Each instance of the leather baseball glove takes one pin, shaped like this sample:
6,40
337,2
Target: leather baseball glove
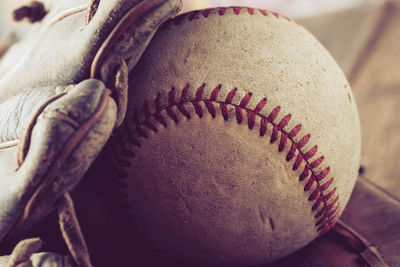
63,89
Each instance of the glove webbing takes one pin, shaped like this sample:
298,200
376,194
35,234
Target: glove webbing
71,231
361,245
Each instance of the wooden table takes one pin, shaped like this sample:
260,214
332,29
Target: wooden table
366,44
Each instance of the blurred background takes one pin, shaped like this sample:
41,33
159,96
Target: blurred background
291,8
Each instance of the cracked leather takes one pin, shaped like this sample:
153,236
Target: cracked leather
50,134
54,120
58,52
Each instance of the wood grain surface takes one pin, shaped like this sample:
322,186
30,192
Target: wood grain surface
376,84
366,44
344,33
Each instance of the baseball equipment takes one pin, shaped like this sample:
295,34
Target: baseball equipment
242,147
63,90
366,235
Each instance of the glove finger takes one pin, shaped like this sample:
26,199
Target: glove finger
57,150
25,255
131,36
44,259
56,58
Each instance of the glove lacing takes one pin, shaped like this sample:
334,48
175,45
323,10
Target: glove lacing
20,257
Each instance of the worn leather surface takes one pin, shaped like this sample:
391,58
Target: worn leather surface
51,112
381,214
215,189
51,134
46,51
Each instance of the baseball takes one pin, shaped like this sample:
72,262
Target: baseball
242,140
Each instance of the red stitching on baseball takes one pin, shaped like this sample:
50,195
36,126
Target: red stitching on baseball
330,222
236,10
294,131
274,113
263,126
196,102
323,174
207,12
282,143
149,125
325,216
285,120
245,100
310,183
147,111
326,185
224,110
314,195
264,12
222,11
138,128
251,119
192,16
310,153
274,135
299,159
305,173
260,106
303,141
290,155
328,196
316,162
211,108
331,214
230,96
317,203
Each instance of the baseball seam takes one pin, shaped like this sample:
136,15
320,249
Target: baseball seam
237,10
323,194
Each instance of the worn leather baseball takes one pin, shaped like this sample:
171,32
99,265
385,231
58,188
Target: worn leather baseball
242,138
